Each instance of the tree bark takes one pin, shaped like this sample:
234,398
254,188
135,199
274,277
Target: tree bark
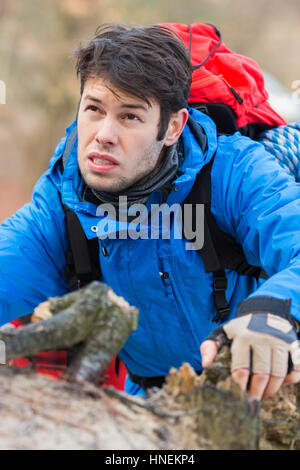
190,412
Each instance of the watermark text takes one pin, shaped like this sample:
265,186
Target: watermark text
2,92
2,352
159,221
296,93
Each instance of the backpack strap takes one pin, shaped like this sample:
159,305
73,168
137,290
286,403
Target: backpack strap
225,120
220,251
83,264
218,33
223,116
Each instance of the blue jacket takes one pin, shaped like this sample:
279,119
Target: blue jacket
253,199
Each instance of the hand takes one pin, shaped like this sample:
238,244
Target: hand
261,346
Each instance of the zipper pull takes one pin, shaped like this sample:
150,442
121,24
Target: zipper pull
235,93
103,248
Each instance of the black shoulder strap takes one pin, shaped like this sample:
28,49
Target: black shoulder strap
223,116
83,264
225,120
83,254
220,250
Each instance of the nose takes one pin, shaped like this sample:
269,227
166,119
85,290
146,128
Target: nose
107,132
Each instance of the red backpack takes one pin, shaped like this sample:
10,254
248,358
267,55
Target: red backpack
227,86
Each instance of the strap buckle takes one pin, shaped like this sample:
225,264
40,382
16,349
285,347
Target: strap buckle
220,283
221,315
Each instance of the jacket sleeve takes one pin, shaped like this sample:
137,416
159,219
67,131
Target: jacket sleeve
258,204
33,247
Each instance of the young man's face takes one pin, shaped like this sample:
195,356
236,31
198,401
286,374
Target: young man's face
117,133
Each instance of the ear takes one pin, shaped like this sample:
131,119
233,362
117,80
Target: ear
176,125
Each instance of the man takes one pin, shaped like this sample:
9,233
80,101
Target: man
134,141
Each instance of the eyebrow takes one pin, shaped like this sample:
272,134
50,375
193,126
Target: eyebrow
124,105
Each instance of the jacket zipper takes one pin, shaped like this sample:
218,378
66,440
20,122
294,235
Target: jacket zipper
166,280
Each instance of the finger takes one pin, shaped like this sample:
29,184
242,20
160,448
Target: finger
295,356
279,362
292,378
261,368
258,384
208,352
240,354
261,359
41,312
279,369
273,386
241,377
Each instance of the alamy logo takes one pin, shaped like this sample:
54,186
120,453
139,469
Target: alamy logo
137,221
296,93
2,352
2,92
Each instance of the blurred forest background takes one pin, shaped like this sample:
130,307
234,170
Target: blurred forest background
36,40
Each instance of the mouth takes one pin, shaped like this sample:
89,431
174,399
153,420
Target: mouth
101,162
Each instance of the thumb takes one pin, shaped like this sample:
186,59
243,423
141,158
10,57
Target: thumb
208,350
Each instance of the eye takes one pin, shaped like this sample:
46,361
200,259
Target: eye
93,108
131,117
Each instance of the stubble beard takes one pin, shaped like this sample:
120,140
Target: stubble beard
144,167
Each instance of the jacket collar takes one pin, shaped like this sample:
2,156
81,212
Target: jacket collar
69,182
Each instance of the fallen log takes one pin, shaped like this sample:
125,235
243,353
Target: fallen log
38,413
190,412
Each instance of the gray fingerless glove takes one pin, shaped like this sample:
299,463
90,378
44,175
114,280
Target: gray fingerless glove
264,342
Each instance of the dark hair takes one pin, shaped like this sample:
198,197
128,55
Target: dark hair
148,62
